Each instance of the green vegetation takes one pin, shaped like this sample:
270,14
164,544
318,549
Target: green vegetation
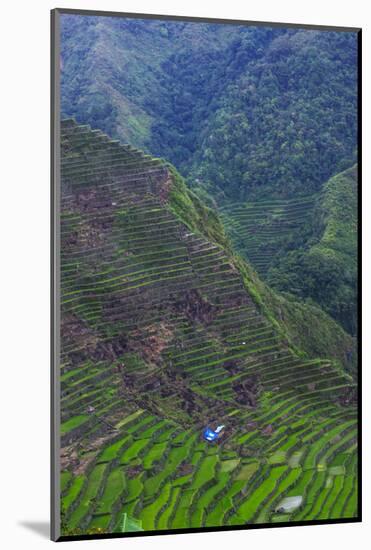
73,423
268,111
267,118
304,247
261,231
325,268
165,330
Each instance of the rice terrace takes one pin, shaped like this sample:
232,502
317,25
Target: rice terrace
208,222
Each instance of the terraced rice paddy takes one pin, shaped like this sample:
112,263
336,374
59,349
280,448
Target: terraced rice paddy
260,231
161,338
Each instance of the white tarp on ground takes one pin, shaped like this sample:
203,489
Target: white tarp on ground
289,504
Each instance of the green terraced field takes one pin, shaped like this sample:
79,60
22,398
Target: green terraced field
261,231
160,338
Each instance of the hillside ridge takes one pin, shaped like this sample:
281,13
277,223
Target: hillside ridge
161,337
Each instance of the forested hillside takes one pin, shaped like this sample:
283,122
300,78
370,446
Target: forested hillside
325,268
244,110
305,246
258,119
114,71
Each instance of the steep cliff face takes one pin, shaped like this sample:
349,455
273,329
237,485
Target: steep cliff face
163,332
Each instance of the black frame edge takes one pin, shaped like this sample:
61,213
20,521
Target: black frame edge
359,272
199,19
195,530
54,277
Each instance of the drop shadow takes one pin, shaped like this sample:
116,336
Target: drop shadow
41,528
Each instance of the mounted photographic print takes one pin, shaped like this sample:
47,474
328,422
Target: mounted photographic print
205,315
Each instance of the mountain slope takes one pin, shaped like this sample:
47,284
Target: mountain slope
164,332
287,123
258,119
325,268
112,69
243,110
305,325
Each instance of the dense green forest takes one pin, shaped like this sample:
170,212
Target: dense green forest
305,246
241,109
253,116
325,268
